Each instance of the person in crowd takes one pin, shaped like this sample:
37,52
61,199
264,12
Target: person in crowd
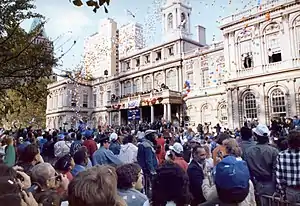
47,180
177,156
62,147
209,162
48,148
196,174
89,164
170,187
130,184
95,186
64,165
104,156
81,160
288,169
76,144
247,140
160,150
90,143
261,160
147,158
10,153
220,150
115,145
244,194
128,151
30,157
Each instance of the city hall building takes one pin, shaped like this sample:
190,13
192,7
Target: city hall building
253,74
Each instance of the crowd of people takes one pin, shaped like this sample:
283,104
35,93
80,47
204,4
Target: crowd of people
157,165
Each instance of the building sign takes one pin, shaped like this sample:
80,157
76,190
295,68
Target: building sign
133,104
133,114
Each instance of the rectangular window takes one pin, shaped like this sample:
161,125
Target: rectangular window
171,51
101,100
137,62
85,101
190,77
147,59
73,99
158,55
205,77
95,100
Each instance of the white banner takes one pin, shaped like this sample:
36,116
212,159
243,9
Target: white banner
133,104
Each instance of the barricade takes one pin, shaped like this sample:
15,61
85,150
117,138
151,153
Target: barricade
275,201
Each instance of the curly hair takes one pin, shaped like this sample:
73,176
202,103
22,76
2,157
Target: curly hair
95,186
170,184
127,174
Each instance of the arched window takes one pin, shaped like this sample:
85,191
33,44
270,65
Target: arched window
158,80
183,20
137,85
147,84
250,107
100,120
101,99
206,113
170,21
272,43
60,122
171,80
296,34
115,119
127,88
278,105
222,113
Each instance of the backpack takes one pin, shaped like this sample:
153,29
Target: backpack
232,180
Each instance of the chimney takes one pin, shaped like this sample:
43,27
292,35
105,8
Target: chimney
201,36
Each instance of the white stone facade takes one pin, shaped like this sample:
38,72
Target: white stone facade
253,73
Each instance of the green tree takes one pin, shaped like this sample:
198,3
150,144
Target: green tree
24,65
96,4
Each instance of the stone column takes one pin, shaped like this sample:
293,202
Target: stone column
169,112
165,111
152,113
109,118
230,114
120,120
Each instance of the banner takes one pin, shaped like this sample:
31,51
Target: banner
133,114
133,104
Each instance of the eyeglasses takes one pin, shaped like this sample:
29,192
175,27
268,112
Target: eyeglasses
57,177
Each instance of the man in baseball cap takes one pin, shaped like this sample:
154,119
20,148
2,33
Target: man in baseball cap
177,155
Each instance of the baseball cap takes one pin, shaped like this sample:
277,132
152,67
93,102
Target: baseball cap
113,136
177,148
261,130
149,131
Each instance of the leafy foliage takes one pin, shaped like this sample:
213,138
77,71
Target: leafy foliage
25,62
96,4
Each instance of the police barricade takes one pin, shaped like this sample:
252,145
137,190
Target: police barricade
275,201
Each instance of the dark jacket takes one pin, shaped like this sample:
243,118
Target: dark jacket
146,157
196,176
115,147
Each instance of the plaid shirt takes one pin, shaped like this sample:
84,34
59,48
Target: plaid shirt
287,169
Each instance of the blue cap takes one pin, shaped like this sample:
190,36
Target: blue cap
88,133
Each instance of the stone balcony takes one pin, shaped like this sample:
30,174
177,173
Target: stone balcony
166,95
254,11
269,68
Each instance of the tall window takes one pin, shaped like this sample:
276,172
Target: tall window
127,88
278,105
170,21
272,42
246,54
147,84
250,107
85,101
222,113
158,80
95,100
296,34
171,80
137,85
73,99
205,77
190,77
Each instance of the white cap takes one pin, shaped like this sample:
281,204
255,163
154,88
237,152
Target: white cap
113,136
177,148
261,130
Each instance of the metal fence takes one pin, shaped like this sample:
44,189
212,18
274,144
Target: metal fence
275,201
